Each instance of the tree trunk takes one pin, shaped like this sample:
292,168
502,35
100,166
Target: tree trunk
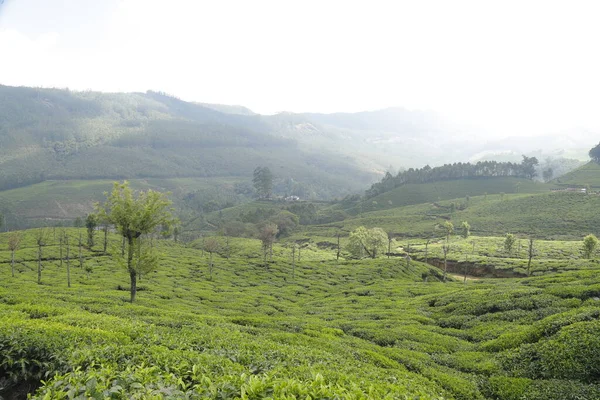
133,277
80,256
389,247
12,263
445,268
294,261
132,271
426,245
105,237
39,281
60,249
68,265
530,257
337,257
210,265
408,256
445,249
466,268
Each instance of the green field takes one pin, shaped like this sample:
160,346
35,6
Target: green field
370,329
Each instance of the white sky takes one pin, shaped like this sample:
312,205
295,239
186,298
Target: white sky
513,66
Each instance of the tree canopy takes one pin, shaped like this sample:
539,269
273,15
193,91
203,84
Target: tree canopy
369,242
590,243
595,153
526,169
263,182
135,214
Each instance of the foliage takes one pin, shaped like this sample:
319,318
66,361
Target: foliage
134,215
267,234
465,229
509,242
367,242
448,229
91,222
263,182
455,171
286,222
590,242
594,153
14,241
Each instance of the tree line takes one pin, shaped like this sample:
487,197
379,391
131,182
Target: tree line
482,169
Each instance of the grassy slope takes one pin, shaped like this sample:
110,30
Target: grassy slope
543,215
358,330
51,201
483,256
588,174
444,190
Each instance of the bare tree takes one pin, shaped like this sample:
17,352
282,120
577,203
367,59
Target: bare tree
294,259
531,254
445,249
337,256
14,242
80,253
41,239
466,270
267,234
68,260
211,245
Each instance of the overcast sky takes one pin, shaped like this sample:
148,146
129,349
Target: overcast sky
513,66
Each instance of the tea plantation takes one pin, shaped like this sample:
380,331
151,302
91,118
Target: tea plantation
315,329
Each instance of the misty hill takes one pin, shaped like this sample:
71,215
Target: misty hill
62,135
227,109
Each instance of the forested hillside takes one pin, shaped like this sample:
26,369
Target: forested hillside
57,134
482,169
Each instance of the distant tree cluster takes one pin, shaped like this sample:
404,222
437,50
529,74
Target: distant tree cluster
263,182
595,153
526,169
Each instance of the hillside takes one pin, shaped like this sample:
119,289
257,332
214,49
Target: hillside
372,329
49,134
418,193
546,215
588,174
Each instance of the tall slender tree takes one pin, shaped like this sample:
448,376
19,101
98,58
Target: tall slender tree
14,242
91,222
41,239
263,182
134,214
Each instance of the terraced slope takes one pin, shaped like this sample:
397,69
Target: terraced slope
372,329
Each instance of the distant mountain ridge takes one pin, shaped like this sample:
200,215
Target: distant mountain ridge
60,134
